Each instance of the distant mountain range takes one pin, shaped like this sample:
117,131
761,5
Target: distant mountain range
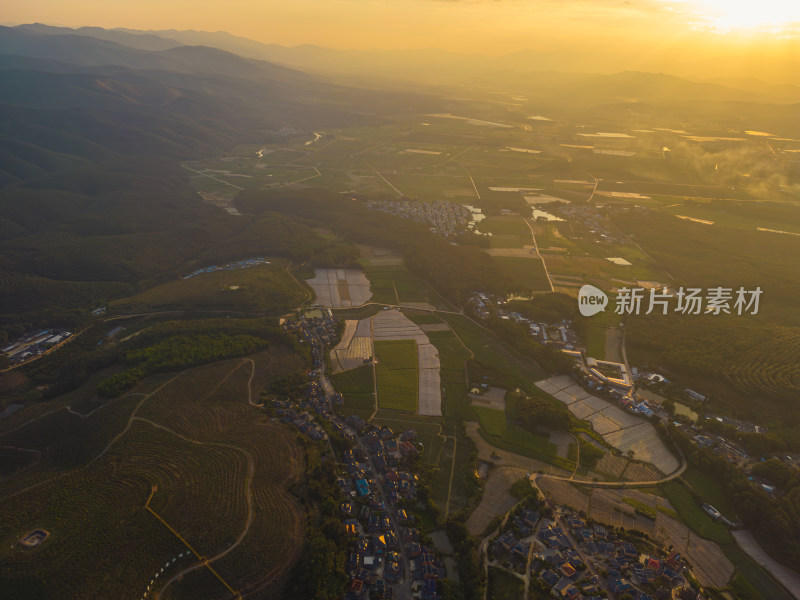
92,198
93,123
755,70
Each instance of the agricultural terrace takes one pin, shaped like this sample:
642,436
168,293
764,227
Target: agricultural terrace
626,432
217,471
397,374
262,288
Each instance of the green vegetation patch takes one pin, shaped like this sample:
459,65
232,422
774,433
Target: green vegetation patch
524,274
262,288
357,388
691,514
452,357
496,430
504,586
397,374
711,493
179,352
506,225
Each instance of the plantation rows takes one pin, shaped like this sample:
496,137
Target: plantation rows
769,368
65,440
202,406
200,488
274,541
12,460
102,543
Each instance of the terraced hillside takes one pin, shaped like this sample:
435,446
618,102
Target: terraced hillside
211,469
626,432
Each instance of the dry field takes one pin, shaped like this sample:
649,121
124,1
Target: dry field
352,350
494,397
496,498
340,288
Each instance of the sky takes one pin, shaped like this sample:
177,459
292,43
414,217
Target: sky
464,26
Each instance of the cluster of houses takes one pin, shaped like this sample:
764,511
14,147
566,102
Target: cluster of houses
314,402
721,445
33,344
560,335
316,329
387,548
558,552
303,421
588,223
444,218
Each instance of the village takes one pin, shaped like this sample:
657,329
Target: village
444,218
558,551
389,556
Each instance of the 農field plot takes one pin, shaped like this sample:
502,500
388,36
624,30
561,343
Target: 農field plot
340,288
626,432
397,374
394,325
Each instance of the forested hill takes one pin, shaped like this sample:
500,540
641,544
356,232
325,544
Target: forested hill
93,201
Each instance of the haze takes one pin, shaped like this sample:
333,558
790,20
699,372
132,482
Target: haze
597,35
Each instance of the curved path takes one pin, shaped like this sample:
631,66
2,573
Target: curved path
251,469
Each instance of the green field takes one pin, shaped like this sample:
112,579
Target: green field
356,386
452,356
262,288
710,492
507,225
395,284
526,274
496,430
596,341
490,350
397,374
693,515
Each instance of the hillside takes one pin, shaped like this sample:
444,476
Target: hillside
94,202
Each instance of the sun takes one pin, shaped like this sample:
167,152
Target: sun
732,15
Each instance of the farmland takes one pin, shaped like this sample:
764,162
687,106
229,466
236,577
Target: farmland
217,473
394,284
527,274
397,374
357,388
496,429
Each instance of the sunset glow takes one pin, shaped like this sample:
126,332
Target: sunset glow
732,15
